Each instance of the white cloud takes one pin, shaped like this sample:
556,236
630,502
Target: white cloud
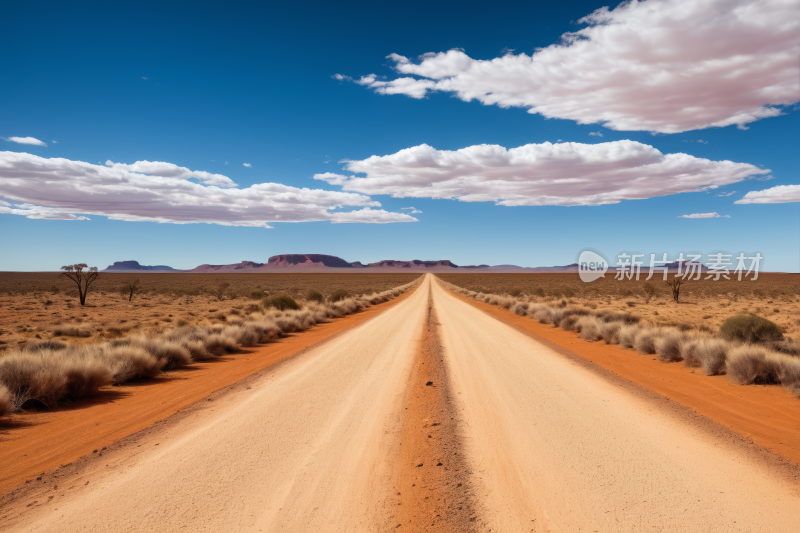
26,140
781,194
595,134
412,210
54,142
725,194
408,86
144,78
665,66
705,215
566,174
62,189
248,165
170,170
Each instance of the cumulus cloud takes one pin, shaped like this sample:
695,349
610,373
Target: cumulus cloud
566,174
248,165
412,210
595,133
61,189
664,66
171,170
26,140
781,194
705,215
54,142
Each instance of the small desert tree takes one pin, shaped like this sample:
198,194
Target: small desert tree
221,290
675,284
83,276
649,291
130,289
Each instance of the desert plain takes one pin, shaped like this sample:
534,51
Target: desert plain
426,410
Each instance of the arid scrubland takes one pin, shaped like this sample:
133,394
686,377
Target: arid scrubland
704,304
67,361
745,346
40,306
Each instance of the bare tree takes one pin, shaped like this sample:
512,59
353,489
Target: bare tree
130,289
649,291
82,278
675,285
221,290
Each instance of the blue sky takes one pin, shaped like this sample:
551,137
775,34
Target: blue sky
240,83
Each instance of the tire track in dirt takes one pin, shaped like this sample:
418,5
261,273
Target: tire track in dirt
433,486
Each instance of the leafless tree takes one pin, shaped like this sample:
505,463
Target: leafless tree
130,289
83,276
675,285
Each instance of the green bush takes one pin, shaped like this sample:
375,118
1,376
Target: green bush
258,295
314,296
282,302
750,328
338,294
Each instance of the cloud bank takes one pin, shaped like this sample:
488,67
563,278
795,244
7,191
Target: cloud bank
565,174
61,189
781,194
705,215
27,140
664,66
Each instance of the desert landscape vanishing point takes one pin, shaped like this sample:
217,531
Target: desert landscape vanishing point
438,267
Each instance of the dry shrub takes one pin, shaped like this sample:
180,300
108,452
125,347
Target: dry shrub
710,354
627,335
53,345
282,302
338,294
313,295
645,342
544,315
71,331
752,364
6,406
750,328
520,308
789,374
668,346
219,344
589,328
47,377
129,362
610,331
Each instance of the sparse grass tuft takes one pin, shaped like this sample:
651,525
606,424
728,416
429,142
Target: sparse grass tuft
668,346
71,331
6,406
752,364
645,342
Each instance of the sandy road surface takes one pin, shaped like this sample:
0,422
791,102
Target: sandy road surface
557,448
340,438
302,450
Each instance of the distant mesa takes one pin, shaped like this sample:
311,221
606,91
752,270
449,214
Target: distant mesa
135,266
308,260
390,263
327,263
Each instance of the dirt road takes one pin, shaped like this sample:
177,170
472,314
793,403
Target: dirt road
342,437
